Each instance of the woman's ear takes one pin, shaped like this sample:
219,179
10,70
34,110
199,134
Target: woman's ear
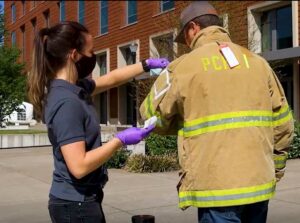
74,55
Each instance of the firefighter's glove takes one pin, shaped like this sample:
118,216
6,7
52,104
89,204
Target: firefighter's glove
153,63
134,135
279,174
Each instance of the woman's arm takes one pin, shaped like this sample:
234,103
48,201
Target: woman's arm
80,163
117,77
122,75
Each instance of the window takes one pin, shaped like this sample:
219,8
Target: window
62,11
102,62
13,38
13,13
166,5
21,116
285,76
162,46
81,12
127,95
33,3
103,17
23,41
131,12
33,23
47,18
276,29
23,7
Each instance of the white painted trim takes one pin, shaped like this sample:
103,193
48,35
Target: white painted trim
107,51
296,81
119,53
295,23
267,5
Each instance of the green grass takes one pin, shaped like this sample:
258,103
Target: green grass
21,131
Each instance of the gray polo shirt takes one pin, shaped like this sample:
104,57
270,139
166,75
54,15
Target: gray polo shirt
71,117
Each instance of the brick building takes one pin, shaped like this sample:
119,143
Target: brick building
127,31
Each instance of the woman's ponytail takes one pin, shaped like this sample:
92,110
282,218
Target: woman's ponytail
39,74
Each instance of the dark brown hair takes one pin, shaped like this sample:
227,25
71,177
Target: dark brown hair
208,20
50,54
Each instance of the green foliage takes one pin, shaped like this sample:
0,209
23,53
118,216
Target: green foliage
12,81
295,147
160,145
148,164
118,160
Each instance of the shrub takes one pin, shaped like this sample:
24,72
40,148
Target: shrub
160,145
156,163
295,147
118,160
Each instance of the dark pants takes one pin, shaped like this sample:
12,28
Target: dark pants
250,213
89,211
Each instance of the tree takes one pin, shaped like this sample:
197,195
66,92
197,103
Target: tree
12,78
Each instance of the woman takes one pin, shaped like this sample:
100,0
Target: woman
60,92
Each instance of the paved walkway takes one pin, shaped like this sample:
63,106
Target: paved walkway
26,176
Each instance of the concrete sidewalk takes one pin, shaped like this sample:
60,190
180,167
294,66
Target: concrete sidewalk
26,177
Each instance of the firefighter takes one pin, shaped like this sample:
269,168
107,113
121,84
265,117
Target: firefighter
232,118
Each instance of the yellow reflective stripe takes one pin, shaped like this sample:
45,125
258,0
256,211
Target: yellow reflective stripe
149,106
149,109
280,160
225,126
282,116
226,115
227,197
233,120
281,111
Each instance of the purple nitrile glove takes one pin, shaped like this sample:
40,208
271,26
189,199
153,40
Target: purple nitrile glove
134,135
157,63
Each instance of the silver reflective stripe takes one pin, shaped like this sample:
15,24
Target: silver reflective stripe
283,115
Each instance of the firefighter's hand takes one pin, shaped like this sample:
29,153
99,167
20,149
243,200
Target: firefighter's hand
279,174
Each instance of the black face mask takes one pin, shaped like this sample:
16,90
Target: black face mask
85,66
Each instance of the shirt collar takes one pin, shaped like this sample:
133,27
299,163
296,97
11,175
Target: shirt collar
210,34
65,84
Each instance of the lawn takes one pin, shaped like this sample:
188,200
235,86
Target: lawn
21,131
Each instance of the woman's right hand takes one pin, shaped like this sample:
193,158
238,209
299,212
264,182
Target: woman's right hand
153,63
134,135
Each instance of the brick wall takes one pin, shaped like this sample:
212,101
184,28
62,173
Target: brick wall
149,21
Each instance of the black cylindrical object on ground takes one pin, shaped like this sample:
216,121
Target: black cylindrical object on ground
143,219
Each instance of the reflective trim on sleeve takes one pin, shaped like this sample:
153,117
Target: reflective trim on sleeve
233,120
227,197
280,160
